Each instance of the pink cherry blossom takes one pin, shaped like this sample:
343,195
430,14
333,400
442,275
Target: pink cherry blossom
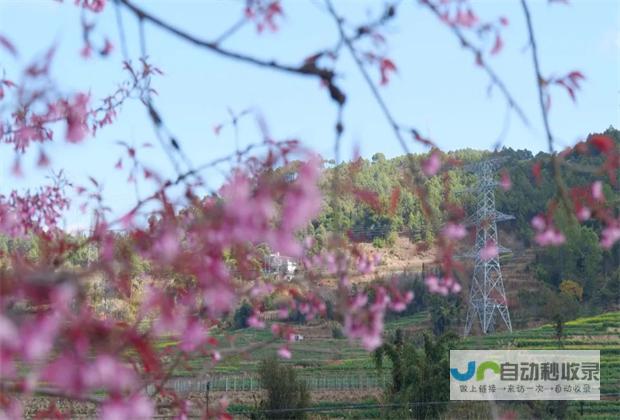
77,110
193,336
13,410
505,182
95,6
284,353
109,373
303,200
364,320
68,373
261,289
432,164
37,336
9,336
185,254
546,235
136,407
398,302
443,286
538,222
367,263
367,325
584,213
610,235
454,231
550,237
283,313
489,251
219,299
255,322
597,191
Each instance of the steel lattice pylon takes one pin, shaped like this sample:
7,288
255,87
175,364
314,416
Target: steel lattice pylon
487,297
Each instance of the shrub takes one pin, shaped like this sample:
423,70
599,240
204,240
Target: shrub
572,288
417,375
337,332
240,319
296,317
284,391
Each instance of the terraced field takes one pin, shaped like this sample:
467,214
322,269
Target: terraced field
600,332
318,353
320,356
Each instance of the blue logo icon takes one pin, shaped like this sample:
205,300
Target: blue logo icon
471,370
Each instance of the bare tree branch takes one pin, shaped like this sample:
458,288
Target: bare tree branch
540,82
306,69
373,88
232,30
495,80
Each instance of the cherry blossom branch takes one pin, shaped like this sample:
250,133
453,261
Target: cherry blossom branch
396,127
373,88
306,69
540,81
495,79
191,172
362,30
158,124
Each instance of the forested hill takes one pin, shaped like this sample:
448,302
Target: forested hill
380,198
378,201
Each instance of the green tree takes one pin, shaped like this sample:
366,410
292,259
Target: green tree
580,258
284,391
240,318
611,292
444,312
418,374
572,289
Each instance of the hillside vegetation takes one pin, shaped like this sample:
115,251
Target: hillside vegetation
380,205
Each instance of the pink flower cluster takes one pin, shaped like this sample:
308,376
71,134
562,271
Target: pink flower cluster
489,251
31,343
364,320
610,234
264,13
77,352
432,164
96,6
31,126
442,285
367,263
250,210
454,231
32,212
546,233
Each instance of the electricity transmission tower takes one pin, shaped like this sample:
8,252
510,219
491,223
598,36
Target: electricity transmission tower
487,297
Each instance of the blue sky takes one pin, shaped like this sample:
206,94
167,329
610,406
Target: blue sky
437,88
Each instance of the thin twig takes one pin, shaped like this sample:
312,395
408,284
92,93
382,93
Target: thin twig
375,92
121,31
495,80
540,82
306,69
232,30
